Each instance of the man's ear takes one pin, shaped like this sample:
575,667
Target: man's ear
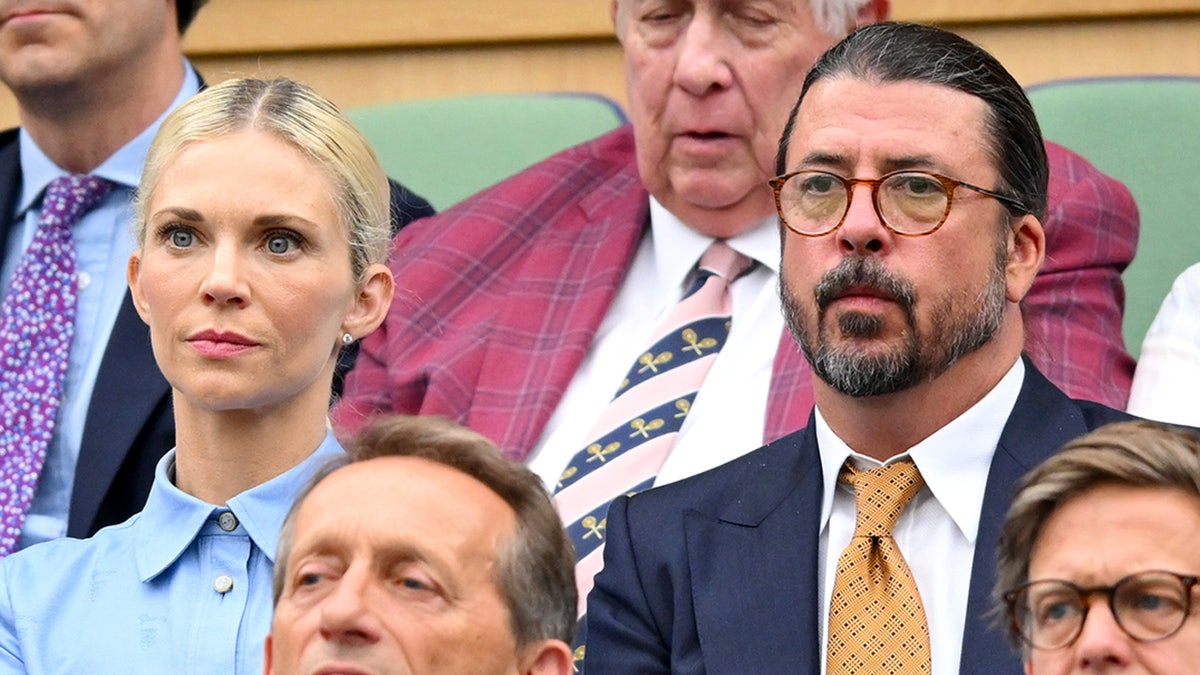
614,12
547,657
1025,256
873,11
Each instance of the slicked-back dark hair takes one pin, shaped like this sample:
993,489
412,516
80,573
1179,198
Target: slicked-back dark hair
893,51
185,12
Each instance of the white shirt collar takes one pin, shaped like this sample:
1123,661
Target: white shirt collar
677,247
954,460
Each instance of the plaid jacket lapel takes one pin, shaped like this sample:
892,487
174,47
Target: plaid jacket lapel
541,335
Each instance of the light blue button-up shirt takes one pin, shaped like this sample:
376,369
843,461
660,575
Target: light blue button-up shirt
103,241
180,588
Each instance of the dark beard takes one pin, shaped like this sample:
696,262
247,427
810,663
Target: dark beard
918,358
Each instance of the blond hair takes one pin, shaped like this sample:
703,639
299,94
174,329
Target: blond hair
303,119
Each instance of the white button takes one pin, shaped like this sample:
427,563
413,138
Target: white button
84,280
227,521
223,584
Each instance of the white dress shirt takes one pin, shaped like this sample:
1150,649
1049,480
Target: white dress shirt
937,531
1164,384
727,417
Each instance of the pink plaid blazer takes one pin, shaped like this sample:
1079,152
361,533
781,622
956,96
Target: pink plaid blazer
498,298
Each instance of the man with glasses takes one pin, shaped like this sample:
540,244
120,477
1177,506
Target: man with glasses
1098,563
911,194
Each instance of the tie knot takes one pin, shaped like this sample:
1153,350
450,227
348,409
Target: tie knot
69,197
881,495
720,259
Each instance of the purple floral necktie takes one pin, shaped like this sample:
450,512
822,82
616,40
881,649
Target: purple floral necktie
37,323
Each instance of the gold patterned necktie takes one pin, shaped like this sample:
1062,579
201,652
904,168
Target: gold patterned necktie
877,623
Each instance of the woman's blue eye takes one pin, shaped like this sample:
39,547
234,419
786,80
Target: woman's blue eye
279,244
182,238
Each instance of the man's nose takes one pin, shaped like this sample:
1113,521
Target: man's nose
703,63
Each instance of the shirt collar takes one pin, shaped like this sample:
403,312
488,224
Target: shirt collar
677,247
123,167
954,460
172,519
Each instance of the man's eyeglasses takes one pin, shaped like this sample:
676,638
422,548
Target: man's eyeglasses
815,203
1148,606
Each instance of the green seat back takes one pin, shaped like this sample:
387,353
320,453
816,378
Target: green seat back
449,148
1145,132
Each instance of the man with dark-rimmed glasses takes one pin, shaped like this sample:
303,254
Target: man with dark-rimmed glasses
1098,560
911,192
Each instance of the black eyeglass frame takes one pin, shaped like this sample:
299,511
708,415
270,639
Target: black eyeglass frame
1012,596
1014,205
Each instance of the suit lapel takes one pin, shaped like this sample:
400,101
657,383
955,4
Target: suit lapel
10,182
754,566
537,345
129,387
1042,421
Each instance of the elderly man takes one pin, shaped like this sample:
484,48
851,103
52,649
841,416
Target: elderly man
1098,561
93,81
427,553
519,312
912,189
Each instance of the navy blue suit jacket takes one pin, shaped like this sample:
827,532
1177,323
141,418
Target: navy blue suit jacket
718,573
130,422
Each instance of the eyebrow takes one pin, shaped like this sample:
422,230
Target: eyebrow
282,219
911,162
183,213
264,221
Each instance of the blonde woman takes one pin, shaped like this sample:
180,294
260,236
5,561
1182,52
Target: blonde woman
262,223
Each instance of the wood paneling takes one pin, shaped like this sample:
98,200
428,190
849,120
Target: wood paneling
365,51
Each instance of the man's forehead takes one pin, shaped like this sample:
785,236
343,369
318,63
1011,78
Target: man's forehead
400,496
405,483
899,124
391,471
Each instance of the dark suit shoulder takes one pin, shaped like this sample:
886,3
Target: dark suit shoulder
744,490
1097,414
407,206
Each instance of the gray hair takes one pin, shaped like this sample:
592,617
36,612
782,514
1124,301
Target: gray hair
836,17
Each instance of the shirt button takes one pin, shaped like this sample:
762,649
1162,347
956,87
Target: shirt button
83,280
223,584
227,521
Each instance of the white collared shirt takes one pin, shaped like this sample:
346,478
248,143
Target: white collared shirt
937,531
727,417
1164,384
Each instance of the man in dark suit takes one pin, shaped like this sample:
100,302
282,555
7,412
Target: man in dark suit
913,188
93,81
